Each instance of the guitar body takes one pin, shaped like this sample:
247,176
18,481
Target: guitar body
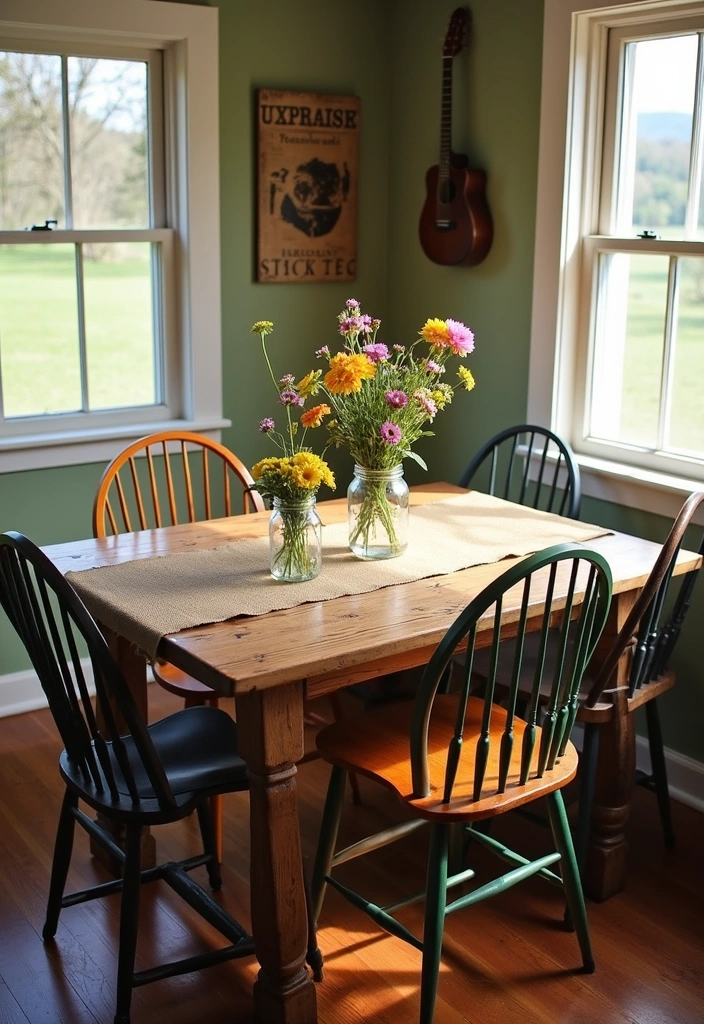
455,222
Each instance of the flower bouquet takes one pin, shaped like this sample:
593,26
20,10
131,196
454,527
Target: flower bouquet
382,400
291,480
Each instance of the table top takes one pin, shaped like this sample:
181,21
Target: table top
331,643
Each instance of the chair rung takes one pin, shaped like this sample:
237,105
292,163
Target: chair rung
502,883
379,916
194,963
201,901
379,839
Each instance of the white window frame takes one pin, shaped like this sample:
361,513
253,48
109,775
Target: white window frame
574,48
188,37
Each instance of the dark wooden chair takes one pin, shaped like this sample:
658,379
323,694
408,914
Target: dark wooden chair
530,465
134,776
649,633
455,760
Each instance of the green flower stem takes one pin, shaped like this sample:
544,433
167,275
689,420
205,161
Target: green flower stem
293,560
375,507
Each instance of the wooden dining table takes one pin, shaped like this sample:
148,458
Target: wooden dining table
272,663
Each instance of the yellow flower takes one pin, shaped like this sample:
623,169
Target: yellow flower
466,377
310,385
314,417
436,333
266,465
346,373
262,328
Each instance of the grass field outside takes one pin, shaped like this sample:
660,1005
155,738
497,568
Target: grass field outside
39,348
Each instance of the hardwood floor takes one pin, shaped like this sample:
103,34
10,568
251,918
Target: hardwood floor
507,961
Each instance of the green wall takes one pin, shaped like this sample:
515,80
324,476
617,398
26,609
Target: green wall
387,52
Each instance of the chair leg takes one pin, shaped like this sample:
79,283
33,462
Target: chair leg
129,920
327,839
435,902
570,875
205,820
63,847
338,713
587,764
659,770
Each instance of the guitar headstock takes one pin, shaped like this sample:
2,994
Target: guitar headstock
457,32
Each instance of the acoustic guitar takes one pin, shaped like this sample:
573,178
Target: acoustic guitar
455,224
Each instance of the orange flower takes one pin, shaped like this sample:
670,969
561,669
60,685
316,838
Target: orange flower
346,373
314,417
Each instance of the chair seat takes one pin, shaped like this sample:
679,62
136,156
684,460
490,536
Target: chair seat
178,682
198,751
376,744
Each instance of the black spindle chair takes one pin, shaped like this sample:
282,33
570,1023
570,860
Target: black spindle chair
455,759
530,465
134,776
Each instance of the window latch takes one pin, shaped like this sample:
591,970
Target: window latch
46,226
647,234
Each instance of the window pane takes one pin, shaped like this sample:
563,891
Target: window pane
39,359
31,140
119,325
628,348
656,131
108,123
686,433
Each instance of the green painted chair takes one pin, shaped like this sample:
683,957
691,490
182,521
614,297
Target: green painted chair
455,760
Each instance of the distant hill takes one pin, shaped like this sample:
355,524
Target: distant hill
663,125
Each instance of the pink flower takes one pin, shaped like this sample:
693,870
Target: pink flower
399,348
290,397
266,425
390,433
324,351
396,399
352,304
287,379
433,367
461,338
423,398
376,352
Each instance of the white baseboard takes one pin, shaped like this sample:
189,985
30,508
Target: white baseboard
22,691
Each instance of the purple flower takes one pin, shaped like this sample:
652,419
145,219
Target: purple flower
352,304
351,324
390,433
366,323
376,352
433,367
287,379
290,397
461,338
266,425
324,351
396,399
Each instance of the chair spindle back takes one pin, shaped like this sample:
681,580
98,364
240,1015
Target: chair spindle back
572,586
196,482
655,638
55,626
529,465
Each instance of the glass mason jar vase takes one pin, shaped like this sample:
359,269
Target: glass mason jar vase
377,509
295,540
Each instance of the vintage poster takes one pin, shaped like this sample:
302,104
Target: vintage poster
308,156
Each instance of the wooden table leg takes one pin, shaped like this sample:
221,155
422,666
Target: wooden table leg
605,870
270,731
134,669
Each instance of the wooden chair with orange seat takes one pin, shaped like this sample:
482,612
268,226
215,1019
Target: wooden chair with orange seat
182,477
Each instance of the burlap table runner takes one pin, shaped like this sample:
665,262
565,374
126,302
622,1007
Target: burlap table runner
145,599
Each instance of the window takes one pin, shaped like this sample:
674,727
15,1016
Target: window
623,349
109,226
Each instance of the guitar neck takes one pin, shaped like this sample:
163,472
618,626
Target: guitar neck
445,119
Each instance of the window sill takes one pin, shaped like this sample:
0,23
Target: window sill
51,450
658,493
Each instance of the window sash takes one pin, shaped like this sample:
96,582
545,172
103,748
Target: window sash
168,354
